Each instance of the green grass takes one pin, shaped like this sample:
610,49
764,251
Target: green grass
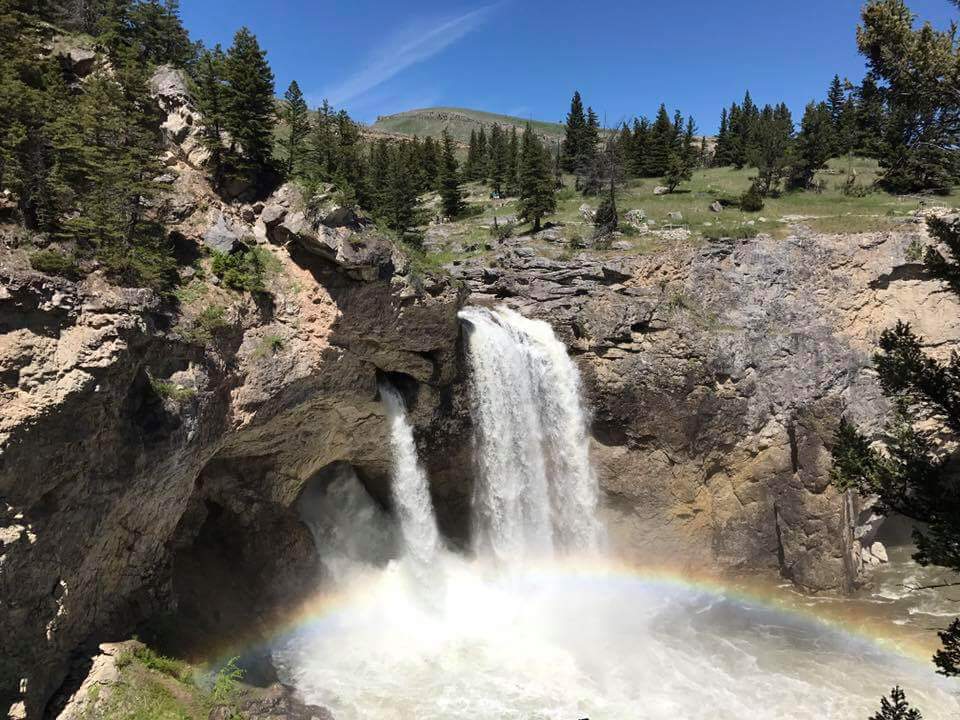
829,211
155,687
177,393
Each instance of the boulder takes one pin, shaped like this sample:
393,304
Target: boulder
675,217
635,217
587,213
77,60
620,245
716,207
661,190
221,237
879,552
272,216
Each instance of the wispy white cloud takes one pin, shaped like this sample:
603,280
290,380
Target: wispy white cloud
414,43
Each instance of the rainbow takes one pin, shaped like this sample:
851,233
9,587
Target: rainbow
847,618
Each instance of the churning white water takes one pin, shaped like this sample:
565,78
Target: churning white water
537,626
410,489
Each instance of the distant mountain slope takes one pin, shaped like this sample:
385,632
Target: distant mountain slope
458,122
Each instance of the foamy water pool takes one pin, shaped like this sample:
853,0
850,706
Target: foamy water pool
555,641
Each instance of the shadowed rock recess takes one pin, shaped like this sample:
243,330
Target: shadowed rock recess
152,453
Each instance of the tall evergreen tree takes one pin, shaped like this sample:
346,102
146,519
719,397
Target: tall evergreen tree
481,172
321,145
661,144
451,196
722,155
430,163
639,160
296,116
499,158
918,69
814,145
574,131
249,109
513,163
770,148
871,119
210,95
471,167
399,203
537,193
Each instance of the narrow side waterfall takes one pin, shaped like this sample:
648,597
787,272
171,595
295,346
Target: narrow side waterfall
410,488
536,491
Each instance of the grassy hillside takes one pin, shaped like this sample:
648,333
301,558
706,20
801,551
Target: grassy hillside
831,211
458,122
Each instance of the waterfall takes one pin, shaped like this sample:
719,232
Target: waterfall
410,489
535,490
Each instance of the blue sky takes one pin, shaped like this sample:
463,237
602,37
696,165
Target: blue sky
525,57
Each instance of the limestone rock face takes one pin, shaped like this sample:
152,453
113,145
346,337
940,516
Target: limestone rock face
716,378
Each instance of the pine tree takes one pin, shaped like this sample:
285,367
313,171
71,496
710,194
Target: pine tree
537,195
472,164
661,144
249,109
321,145
591,139
430,163
871,117
721,155
573,140
896,708
349,170
836,101
513,163
109,146
451,196
814,145
379,168
639,161
210,95
499,157
400,194
770,148
917,68
678,170
296,116
688,147
481,170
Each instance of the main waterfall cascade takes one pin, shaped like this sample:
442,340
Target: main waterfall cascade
537,624
536,489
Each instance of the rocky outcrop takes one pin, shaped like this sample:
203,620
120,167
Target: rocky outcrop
717,376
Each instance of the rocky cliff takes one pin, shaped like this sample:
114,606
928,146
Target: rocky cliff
151,449
717,376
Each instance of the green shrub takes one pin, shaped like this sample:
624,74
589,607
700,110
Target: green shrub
167,389
852,188
502,231
56,263
243,271
206,325
752,200
914,251
227,681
